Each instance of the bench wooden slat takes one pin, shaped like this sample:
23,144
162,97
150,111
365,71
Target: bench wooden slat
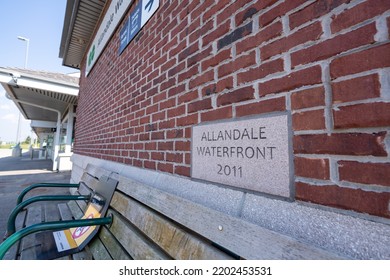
51,212
178,243
65,212
75,209
252,243
28,244
97,171
136,244
13,252
114,249
98,250
90,181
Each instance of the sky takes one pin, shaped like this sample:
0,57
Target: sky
41,21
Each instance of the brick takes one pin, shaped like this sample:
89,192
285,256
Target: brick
176,90
360,88
182,170
165,167
279,11
217,114
216,34
165,146
307,98
372,58
313,11
354,144
265,34
227,11
202,79
308,76
253,9
199,56
202,30
213,10
358,14
199,105
188,51
241,62
174,133
235,35
262,107
362,115
309,120
239,95
221,85
309,33
187,97
149,164
373,203
365,172
183,146
216,60
174,157
262,71
177,111
189,73
359,37
157,156
312,168
187,120
158,135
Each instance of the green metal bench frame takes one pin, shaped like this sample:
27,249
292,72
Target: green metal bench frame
12,236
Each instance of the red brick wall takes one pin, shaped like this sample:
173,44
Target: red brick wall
326,62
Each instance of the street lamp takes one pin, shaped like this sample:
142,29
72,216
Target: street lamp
25,66
27,47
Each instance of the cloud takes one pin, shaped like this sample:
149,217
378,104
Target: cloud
5,107
10,117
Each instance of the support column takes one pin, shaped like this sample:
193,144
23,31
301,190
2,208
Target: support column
56,144
69,131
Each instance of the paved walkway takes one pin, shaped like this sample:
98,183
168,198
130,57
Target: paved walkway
16,173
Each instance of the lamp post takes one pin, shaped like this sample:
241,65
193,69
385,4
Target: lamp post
27,47
25,66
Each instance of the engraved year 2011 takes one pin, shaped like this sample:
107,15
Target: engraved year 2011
227,170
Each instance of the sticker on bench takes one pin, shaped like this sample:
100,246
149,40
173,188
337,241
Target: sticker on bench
71,238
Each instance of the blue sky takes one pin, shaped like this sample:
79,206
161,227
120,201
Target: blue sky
41,21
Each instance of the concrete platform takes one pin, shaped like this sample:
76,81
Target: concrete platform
16,173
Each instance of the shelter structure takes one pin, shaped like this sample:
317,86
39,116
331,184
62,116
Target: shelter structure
49,100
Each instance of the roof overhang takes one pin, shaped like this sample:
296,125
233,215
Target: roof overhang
40,95
81,18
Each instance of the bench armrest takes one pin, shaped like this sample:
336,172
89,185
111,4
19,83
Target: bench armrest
6,245
45,185
12,217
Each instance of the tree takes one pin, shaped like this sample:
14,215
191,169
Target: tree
28,140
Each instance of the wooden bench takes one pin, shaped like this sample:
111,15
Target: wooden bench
152,224
39,211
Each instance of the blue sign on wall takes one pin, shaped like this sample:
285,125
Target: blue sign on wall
138,18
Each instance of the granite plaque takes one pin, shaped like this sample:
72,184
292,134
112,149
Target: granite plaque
251,154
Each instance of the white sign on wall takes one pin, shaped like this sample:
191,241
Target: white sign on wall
250,154
110,21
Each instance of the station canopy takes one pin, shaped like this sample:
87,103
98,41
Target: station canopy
42,97
81,18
